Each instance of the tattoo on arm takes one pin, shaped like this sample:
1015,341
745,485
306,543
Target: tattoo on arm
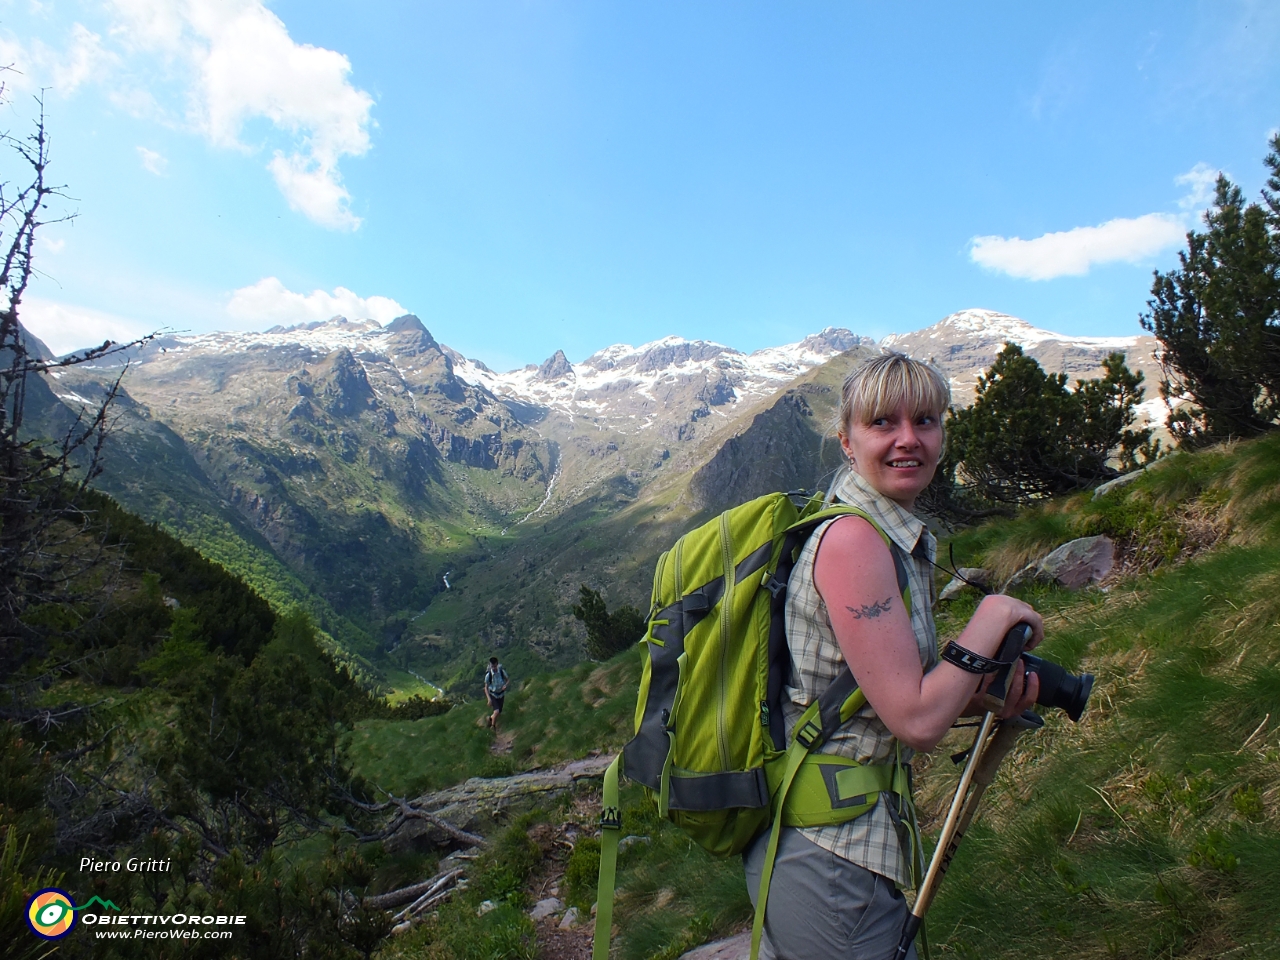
871,612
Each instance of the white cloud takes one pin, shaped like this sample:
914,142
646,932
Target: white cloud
153,162
37,65
84,60
65,327
244,66
270,302
52,245
1072,253
1200,181
314,189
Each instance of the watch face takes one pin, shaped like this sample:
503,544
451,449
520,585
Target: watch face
51,913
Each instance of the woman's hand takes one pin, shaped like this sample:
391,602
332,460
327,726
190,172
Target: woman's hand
997,614
1021,695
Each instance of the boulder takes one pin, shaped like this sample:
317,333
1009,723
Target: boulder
1078,562
546,908
976,575
734,948
1125,478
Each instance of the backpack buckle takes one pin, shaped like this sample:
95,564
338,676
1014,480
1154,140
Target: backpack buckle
610,818
774,585
809,734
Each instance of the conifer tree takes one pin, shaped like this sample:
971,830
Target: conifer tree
1027,435
1217,318
607,633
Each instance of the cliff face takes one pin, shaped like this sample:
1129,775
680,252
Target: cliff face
779,450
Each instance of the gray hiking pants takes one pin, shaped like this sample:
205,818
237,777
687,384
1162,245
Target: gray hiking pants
824,907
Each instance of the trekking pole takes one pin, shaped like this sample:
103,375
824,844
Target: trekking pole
985,757
1010,650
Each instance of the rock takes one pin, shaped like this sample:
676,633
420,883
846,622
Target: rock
459,858
400,928
1078,562
1104,488
630,841
571,919
546,908
734,948
976,575
595,908
485,907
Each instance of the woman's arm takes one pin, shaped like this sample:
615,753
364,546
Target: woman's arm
854,574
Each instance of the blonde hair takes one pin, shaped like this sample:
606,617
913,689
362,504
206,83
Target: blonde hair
880,385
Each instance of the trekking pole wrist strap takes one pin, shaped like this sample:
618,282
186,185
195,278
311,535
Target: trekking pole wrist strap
969,661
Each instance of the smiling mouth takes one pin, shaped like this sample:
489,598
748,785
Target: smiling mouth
902,464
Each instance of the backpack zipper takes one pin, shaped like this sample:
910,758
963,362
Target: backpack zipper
726,611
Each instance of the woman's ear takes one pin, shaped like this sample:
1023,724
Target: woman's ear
844,445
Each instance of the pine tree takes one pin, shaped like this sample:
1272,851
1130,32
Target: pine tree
1217,318
1027,435
607,633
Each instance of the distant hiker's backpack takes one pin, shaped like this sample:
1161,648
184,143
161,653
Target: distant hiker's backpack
494,678
710,745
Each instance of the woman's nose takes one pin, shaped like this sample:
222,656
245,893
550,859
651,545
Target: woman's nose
907,437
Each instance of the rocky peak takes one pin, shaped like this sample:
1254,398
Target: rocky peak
407,323
555,367
673,351
834,339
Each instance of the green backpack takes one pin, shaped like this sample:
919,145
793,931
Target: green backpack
710,745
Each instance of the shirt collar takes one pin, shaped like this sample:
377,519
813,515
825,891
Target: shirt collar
901,525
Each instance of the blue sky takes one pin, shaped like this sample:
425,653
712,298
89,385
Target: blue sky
533,176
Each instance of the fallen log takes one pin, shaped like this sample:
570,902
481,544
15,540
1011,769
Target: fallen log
424,901
438,818
395,898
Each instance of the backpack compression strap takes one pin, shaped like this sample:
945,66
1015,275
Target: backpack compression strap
610,828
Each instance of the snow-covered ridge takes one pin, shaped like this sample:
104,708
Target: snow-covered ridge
990,325
622,367
668,370
323,337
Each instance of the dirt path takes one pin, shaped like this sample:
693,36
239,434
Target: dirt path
502,743
557,944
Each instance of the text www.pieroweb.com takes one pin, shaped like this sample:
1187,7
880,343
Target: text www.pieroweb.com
172,926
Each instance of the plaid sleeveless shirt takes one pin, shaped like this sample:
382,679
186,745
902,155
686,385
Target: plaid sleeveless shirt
874,840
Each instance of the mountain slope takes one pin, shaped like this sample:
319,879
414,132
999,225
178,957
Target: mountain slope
423,507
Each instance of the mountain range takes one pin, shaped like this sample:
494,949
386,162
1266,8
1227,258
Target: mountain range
424,508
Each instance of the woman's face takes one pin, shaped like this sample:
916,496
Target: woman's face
896,454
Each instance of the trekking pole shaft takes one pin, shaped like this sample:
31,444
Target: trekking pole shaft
981,771
936,865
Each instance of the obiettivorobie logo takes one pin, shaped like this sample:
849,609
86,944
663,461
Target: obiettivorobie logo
51,913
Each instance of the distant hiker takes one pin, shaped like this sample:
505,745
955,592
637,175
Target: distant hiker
496,682
836,888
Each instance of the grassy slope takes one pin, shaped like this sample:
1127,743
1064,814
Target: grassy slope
553,717
1148,830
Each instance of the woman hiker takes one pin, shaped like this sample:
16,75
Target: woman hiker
835,890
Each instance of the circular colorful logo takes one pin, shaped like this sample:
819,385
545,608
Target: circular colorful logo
51,913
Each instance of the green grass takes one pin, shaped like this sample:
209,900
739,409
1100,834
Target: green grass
553,718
